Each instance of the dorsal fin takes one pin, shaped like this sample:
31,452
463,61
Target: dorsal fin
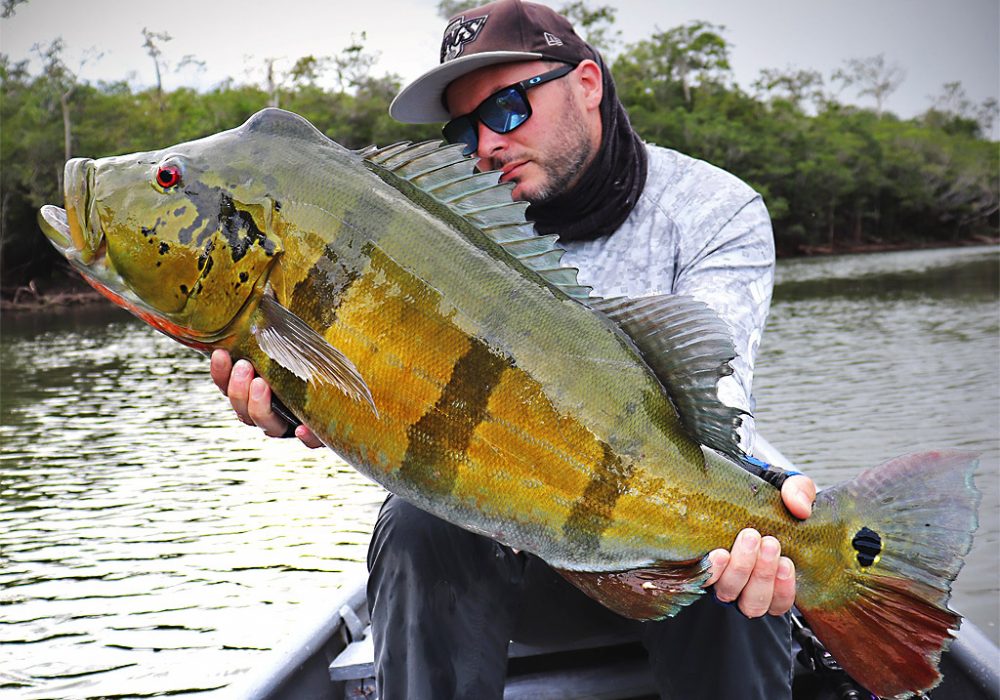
443,173
689,348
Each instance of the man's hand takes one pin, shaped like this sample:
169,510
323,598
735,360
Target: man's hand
250,397
753,572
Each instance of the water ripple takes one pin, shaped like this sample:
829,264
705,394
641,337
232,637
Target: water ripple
150,544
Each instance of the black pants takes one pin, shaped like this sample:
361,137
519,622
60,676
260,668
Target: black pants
445,603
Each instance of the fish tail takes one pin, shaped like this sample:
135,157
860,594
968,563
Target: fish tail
884,614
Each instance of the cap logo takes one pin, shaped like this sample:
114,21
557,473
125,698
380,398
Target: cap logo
553,40
460,32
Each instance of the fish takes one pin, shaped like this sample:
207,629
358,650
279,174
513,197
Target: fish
400,304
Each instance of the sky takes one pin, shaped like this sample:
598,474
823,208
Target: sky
933,41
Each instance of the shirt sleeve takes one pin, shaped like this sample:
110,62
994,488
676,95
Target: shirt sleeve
733,272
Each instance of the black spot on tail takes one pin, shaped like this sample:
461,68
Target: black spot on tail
868,543
164,248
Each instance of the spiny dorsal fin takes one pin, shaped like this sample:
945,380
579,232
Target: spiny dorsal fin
689,348
443,173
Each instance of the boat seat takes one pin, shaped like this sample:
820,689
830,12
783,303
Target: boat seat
606,668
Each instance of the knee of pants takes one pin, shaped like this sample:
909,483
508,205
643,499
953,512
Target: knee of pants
406,536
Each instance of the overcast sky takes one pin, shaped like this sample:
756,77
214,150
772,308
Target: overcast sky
934,41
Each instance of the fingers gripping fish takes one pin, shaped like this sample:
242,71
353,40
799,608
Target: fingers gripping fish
401,306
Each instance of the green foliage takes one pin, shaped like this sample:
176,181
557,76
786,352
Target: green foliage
691,54
834,176
595,26
447,9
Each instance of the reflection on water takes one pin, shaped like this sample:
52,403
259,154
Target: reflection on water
150,544
870,357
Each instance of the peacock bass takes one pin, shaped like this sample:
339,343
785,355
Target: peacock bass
399,304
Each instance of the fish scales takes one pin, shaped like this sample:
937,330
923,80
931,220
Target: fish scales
402,335
442,351
405,336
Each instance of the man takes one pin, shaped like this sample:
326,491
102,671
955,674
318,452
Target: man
530,99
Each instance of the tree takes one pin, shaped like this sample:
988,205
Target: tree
447,9
151,42
354,65
9,7
62,83
655,72
304,72
795,86
872,77
595,26
953,111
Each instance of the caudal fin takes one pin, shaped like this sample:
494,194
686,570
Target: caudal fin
885,618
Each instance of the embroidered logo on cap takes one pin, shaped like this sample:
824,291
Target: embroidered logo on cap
459,33
553,40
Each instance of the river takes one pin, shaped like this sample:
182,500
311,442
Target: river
150,544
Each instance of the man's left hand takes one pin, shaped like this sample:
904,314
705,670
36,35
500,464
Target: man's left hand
753,573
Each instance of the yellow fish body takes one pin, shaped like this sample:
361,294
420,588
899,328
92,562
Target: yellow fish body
400,305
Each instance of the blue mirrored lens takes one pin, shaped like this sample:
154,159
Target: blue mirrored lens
506,111
462,130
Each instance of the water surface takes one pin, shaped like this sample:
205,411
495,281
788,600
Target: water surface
151,544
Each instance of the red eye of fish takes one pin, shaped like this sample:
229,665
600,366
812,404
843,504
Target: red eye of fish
168,176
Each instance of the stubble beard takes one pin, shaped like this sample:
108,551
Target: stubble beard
570,153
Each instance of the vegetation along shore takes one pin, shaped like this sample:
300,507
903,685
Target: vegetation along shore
836,177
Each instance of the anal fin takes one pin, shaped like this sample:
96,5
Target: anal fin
649,593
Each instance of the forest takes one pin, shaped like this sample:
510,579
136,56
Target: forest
836,176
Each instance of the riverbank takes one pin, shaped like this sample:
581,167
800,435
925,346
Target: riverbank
62,290
879,247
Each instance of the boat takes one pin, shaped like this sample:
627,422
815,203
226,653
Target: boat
334,661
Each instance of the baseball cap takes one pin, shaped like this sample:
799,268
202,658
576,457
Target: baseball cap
500,32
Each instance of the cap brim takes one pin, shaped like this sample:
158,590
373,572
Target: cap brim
420,102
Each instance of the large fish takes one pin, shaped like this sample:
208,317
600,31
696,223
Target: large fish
400,305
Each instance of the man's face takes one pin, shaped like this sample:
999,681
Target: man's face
545,155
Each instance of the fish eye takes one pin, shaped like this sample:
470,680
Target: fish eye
168,176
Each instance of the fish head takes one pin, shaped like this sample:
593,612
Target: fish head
183,237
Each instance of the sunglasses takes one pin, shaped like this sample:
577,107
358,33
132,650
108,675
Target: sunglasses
502,112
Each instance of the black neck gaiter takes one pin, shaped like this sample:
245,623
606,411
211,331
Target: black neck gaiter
608,190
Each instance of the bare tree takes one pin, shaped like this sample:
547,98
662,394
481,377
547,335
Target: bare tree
64,83
9,7
872,77
449,8
151,42
595,26
954,101
794,85
692,50
354,65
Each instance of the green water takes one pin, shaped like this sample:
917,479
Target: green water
151,544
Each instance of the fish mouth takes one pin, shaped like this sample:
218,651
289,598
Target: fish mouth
76,230
77,234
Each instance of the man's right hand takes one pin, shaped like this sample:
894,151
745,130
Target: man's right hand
250,397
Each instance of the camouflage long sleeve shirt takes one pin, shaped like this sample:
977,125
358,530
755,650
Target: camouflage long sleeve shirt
699,231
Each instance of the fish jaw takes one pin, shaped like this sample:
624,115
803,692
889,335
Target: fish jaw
93,265
68,229
78,179
84,251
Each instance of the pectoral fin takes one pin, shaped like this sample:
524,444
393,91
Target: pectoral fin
289,341
650,593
